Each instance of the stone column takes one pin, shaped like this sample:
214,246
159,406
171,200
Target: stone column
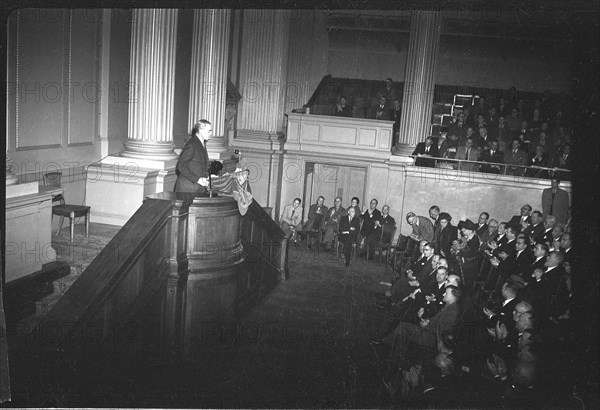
147,165
208,82
263,73
152,84
419,81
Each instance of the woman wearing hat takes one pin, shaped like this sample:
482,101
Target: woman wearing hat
471,264
448,233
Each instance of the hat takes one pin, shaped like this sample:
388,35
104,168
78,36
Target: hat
445,216
468,224
517,280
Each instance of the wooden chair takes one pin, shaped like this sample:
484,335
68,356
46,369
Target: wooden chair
64,210
383,246
339,243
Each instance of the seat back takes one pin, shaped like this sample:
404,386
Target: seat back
53,179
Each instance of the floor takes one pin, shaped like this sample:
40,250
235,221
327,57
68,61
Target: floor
305,345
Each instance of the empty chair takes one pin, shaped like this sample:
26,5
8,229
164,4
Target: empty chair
64,210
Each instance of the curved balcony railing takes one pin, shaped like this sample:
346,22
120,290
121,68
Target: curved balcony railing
493,167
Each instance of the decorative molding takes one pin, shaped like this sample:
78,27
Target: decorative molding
29,148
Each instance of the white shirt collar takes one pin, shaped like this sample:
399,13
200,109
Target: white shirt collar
506,301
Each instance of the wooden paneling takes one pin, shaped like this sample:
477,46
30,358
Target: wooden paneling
83,72
40,78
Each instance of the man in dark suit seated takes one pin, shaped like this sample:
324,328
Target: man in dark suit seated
426,333
537,159
535,230
349,227
382,231
492,155
427,150
516,156
313,226
522,220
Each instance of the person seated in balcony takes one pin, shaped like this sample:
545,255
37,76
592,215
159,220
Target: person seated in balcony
291,217
332,223
483,141
480,108
468,152
492,118
459,128
514,121
396,114
469,117
501,133
537,159
503,109
342,109
516,156
481,122
564,160
427,150
381,111
449,147
523,133
493,156
545,141
535,123
317,214
388,90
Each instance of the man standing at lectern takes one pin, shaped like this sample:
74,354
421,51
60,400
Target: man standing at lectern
192,167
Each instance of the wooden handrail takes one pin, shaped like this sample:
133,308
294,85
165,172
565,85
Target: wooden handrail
503,165
145,268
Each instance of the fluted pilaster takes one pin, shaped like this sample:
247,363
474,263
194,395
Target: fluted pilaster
419,82
152,82
302,37
263,72
208,82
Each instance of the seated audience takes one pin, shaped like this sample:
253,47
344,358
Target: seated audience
492,156
355,203
291,218
370,221
332,222
535,230
317,214
537,159
468,152
522,220
382,231
448,233
501,133
349,227
449,147
516,156
381,111
482,223
425,333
